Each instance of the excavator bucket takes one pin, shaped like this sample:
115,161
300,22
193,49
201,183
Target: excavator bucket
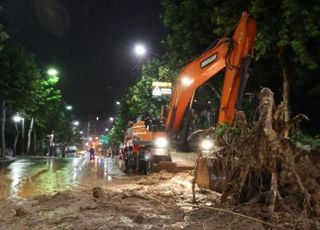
179,161
210,174
202,177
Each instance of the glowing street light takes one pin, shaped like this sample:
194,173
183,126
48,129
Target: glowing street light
111,119
69,107
76,123
107,129
17,118
118,103
81,132
52,72
140,50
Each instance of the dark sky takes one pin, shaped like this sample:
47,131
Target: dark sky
90,42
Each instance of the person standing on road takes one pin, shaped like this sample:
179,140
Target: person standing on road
91,151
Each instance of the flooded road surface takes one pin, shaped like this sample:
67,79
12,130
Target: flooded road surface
28,177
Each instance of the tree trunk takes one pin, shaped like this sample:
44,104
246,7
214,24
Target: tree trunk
3,124
29,135
34,142
286,91
15,139
22,137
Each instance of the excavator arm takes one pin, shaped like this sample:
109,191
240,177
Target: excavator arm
234,54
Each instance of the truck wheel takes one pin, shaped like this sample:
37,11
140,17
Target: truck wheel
142,167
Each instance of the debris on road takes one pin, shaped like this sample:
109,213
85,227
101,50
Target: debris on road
158,201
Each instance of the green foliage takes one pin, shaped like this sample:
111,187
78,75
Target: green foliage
224,134
225,130
115,136
26,91
49,113
190,30
19,74
306,141
62,128
139,98
3,37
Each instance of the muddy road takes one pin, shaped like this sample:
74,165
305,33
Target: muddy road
37,176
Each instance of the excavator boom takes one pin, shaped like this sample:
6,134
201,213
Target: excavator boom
233,54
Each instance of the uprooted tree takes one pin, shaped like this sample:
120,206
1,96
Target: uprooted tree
260,165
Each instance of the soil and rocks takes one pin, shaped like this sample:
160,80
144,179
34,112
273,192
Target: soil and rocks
158,201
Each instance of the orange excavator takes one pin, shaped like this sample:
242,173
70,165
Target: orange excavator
234,54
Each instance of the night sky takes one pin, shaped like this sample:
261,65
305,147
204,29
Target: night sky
90,42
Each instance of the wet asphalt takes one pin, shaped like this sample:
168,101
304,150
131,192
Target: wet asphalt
41,176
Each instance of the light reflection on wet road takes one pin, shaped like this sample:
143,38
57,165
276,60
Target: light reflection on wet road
28,177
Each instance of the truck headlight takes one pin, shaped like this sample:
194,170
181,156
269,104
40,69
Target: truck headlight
161,142
206,144
147,156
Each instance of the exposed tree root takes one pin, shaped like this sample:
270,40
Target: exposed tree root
260,164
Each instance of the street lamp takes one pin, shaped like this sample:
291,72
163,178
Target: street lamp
53,74
107,129
69,107
118,103
140,49
111,119
81,132
76,123
17,118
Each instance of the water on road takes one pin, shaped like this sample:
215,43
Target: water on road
28,177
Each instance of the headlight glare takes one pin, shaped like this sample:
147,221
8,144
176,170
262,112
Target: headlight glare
206,144
161,142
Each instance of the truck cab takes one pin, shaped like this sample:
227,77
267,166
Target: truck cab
145,143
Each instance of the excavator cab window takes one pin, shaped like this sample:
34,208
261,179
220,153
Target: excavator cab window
154,125
157,126
205,105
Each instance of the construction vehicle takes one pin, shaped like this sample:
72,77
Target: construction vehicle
145,144
232,54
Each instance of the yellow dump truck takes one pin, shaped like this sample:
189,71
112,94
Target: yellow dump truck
145,144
